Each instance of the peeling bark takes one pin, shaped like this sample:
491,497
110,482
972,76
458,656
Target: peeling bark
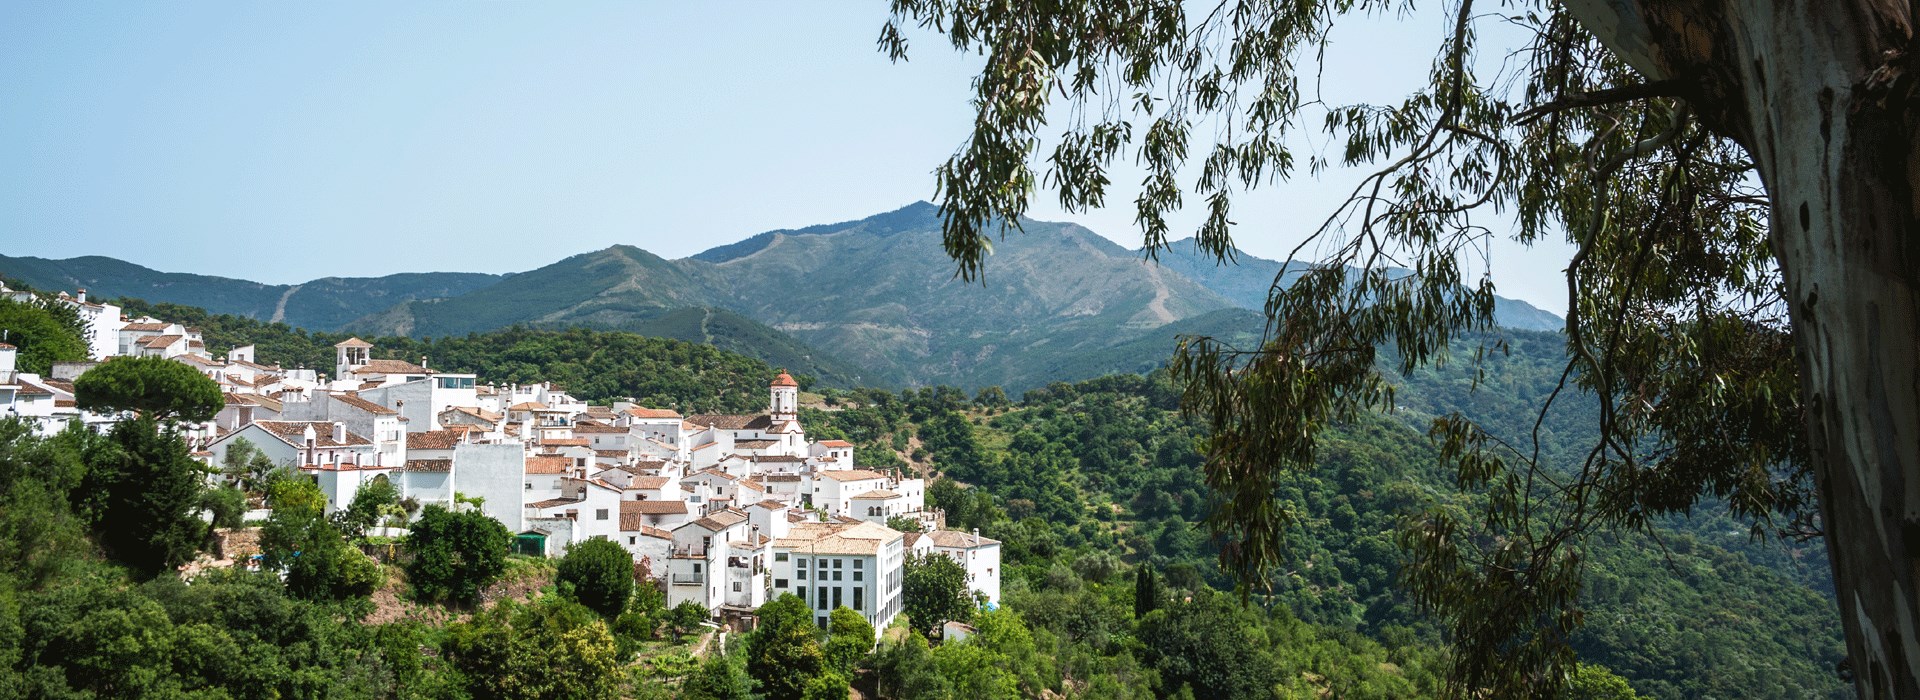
1819,93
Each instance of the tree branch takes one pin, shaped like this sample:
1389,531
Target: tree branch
1627,93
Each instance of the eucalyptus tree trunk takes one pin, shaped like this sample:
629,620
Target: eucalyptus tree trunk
1820,93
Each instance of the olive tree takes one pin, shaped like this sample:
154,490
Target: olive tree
1738,180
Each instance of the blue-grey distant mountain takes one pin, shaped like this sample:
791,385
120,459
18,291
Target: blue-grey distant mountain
323,304
1246,280
872,301
878,293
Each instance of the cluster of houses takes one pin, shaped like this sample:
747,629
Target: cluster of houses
723,510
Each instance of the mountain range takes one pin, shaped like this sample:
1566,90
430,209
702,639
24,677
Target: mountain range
869,302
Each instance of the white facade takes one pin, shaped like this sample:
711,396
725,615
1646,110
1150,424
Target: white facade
829,565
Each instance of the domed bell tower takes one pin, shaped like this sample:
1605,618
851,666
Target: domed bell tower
784,403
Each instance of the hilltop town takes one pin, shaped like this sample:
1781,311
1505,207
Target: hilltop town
727,511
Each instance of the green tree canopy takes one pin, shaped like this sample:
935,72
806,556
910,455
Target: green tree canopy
599,575
784,654
455,554
163,389
42,333
1720,201
299,539
933,591
142,496
549,649
849,638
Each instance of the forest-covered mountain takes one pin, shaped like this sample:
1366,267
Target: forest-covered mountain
871,302
323,304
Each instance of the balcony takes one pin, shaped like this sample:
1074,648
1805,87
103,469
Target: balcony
688,579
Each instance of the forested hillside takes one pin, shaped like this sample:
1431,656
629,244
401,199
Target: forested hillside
1097,478
1110,585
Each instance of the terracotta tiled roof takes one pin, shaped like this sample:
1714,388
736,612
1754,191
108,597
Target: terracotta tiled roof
429,465
592,428
721,520
487,416
291,432
391,367
565,442
785,380
528,406
649,482
852,475
835,443
548,465
950,539
355,401
353,343
611,454
877,495
837,538
654,507
633,515
435,439
159,341
732,422
144,327
770,504
754,444
554,502
639,412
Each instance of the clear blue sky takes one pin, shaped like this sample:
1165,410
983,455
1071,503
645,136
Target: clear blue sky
286,141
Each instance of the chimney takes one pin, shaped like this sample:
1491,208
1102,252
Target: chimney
83,296
423,361
340,438
976,537
7,358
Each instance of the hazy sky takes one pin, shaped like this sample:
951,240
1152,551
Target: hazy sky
286,141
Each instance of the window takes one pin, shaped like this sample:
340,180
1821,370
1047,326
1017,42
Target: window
633,540
736,586
800,574
823,598
801,591
600,514
779,583
529,486
836,596
858,602
456,382
782,556
856,575
858,562
696,568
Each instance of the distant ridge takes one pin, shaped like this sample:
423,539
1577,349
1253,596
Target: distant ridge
871,301
1246,281
900,220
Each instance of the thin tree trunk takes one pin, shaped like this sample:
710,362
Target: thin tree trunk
1817,91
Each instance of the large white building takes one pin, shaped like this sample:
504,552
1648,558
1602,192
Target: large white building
831,565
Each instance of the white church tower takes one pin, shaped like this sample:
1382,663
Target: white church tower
785,402
350,354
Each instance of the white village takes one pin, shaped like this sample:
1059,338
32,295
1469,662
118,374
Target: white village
727,511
